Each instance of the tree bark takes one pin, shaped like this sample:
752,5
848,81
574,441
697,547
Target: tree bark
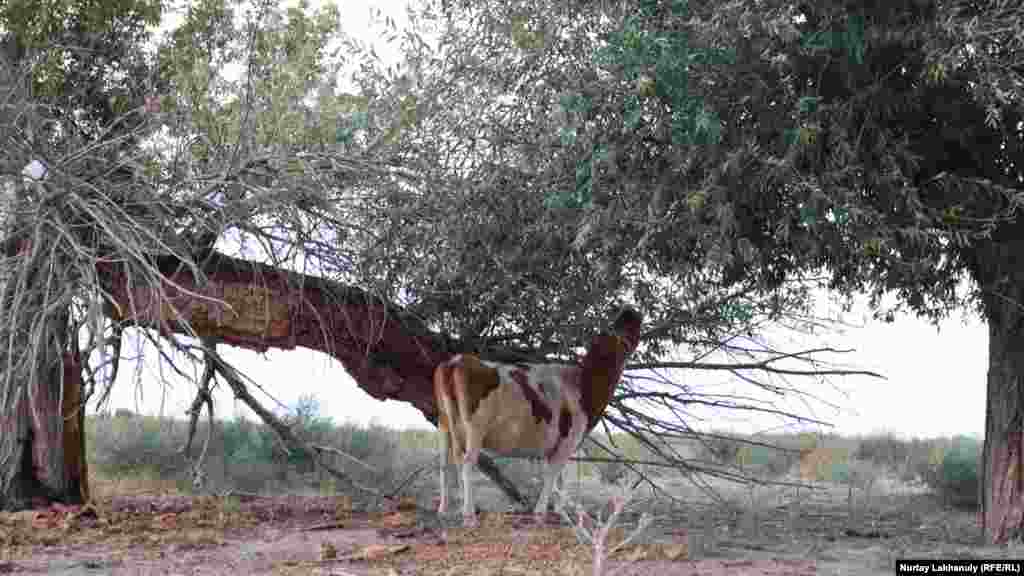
72,409
996,269
42,450
390,354
1002,484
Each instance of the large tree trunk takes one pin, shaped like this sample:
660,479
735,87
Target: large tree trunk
996,268
1000,277
42,438
1002,485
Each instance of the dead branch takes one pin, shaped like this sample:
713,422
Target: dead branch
765,365
408,480
204,396
343,454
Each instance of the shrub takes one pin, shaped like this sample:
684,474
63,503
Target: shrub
885,451
123,445
958,473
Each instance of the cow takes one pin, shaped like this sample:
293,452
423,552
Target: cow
526,410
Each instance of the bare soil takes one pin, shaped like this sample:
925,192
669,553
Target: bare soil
251,536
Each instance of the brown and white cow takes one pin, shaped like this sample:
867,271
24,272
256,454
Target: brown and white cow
534,410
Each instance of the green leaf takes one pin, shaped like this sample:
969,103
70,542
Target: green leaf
633,116
567,136
854,38
807,104
708,128
360,120
737,312
808,215
790,136
821,40
841,215
576,103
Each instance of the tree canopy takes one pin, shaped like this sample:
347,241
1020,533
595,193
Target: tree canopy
743,145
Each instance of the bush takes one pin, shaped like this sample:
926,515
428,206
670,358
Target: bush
885,451
958,473
124,445
952,470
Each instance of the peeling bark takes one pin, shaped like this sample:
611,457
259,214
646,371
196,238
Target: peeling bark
48,434
76,470
390,354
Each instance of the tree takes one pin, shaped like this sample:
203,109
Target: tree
882,142
67,72
412,214
748,144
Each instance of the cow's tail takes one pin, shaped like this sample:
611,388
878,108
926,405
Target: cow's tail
448,411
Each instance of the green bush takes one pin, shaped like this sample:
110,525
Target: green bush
952,472
959,473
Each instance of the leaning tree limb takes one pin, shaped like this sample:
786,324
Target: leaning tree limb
389,352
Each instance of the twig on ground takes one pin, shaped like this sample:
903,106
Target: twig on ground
591,531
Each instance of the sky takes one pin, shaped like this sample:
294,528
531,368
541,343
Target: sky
934,386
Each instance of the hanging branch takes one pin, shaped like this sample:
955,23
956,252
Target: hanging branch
204,396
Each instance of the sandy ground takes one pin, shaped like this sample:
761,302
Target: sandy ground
251,536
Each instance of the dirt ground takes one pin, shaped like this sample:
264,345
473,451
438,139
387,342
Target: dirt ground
772,533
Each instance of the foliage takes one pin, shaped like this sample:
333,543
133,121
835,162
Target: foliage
855,141
86,64
885,450
246,454
246,441
716,146
123,445
955,477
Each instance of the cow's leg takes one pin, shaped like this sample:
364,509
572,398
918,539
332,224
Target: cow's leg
445,447
552,471
473,445
468,507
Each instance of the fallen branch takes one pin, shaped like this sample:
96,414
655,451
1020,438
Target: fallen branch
408,480
342,453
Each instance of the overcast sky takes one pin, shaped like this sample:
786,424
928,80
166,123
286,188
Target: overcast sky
935,376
